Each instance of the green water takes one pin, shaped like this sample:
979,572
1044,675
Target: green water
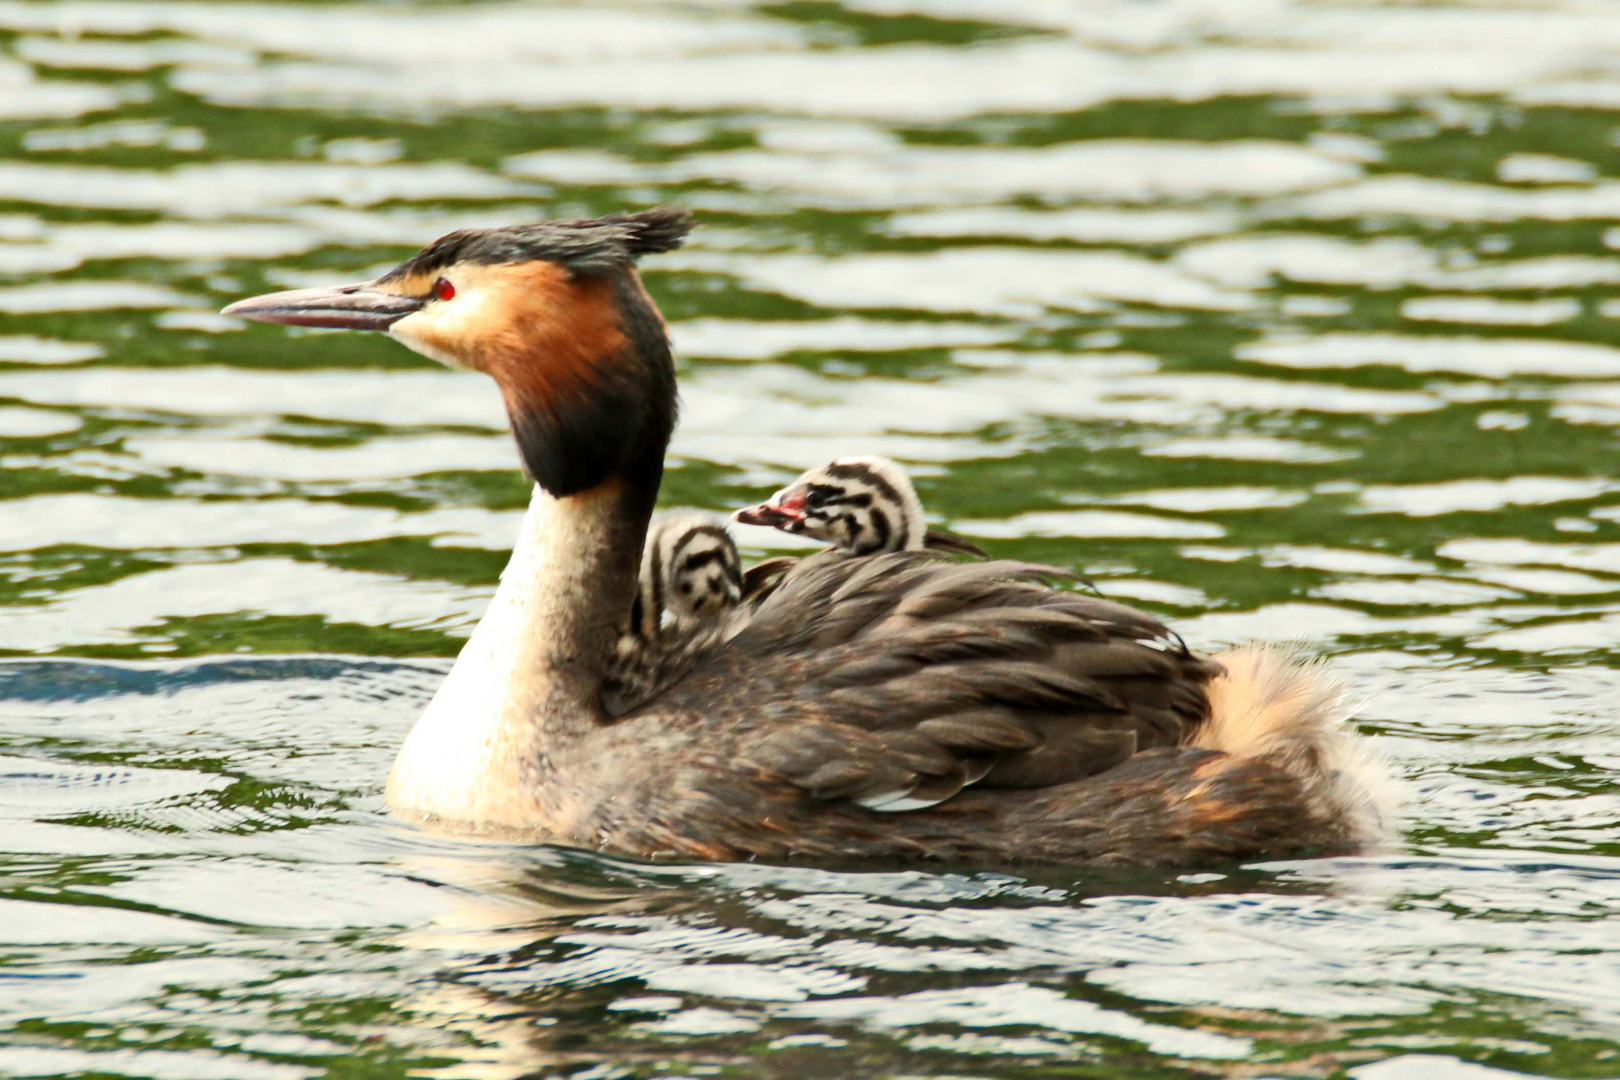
1285,321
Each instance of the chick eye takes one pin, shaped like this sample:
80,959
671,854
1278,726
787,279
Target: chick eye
816,499
444,290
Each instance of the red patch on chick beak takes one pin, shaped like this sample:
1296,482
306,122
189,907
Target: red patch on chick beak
786,514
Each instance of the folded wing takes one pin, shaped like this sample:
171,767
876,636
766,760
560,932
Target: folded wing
904,679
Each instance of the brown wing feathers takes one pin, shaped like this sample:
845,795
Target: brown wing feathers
949,542
942,675
762,577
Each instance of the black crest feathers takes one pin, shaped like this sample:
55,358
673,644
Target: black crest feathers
652,232
589,246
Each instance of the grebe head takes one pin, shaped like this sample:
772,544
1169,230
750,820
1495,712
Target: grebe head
554,312
690,574
861,505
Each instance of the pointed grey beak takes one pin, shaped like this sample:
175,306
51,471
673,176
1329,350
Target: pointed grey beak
346,307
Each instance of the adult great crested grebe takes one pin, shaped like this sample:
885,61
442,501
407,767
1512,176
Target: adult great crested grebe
891,706
864,505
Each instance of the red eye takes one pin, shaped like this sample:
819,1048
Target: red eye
444,290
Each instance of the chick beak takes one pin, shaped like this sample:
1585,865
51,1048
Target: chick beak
763,514
345,307
777,513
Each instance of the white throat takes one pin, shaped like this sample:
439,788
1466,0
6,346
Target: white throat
479,752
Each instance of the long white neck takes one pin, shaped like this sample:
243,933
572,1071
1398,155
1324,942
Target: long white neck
526,685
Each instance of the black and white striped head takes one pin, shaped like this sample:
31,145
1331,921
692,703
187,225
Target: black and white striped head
690,573
861,505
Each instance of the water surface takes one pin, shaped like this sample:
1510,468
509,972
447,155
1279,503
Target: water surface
1286,321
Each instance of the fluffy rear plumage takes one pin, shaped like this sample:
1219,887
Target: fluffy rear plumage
1272,704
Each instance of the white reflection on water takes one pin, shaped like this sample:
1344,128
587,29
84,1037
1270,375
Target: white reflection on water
1408,594
194,1065
28,349
1598,557
106,55
1453,200
35,423
376,459
1544,169
1018,1004
179,240
418,397
1479,309
1250,261
245,187
1247,448
89,296
1203,500
1087,225
736,339
132,610
107,521
1437,1067
1487,358
1425,500
989,281
25,97
141,134
1092,523
1122,170
492,35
